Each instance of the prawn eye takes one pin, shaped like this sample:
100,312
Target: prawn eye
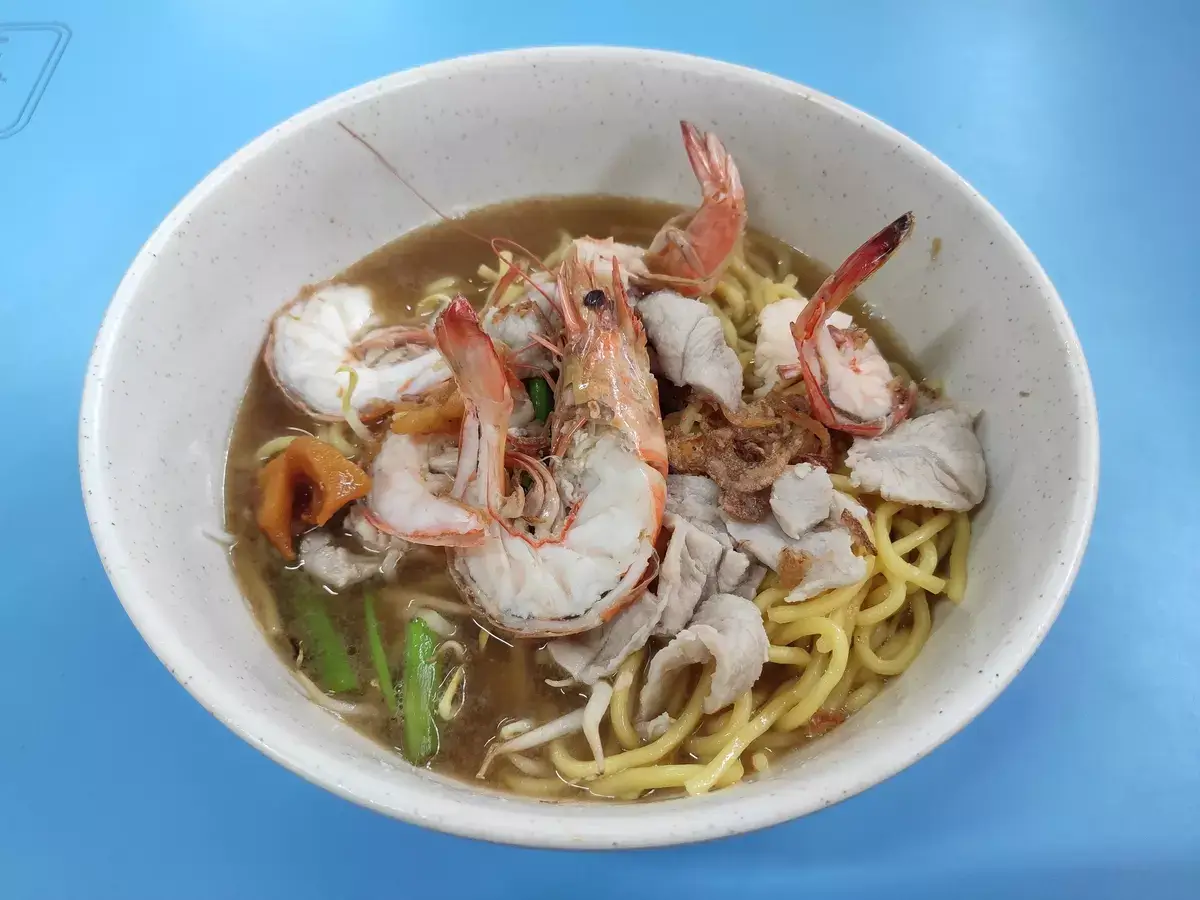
594,299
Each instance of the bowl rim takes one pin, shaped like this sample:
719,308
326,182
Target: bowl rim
526,824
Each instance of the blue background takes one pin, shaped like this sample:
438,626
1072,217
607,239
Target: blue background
1077,120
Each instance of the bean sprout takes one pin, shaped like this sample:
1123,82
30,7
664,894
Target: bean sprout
343,708
515,729
544,734
273,446
438,624
454,647
391,560
348,411
446,708
332,435
593,714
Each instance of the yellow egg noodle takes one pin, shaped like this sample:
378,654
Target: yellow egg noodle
839,647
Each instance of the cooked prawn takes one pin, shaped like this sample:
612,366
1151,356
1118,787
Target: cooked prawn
843,360
329,334
607,491
691,250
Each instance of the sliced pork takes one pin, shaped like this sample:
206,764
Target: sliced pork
801,498
934,460
726,629
598,653
691,346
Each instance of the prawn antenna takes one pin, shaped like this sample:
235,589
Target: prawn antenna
383,161
496,244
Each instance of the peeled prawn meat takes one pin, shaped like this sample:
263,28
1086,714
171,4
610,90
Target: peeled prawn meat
775,345
726,629
331,330
691,346
594,566
934,460
858,379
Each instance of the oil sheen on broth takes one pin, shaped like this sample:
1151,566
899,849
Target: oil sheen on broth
506,678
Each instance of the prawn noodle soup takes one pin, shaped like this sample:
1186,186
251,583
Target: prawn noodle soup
604,508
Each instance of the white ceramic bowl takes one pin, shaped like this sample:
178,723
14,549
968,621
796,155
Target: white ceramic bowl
303,201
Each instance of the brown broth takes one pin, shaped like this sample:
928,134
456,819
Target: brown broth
506,678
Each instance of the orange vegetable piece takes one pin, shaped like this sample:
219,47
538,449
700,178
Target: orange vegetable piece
440,411
310,481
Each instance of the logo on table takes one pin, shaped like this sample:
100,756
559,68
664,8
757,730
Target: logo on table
29,53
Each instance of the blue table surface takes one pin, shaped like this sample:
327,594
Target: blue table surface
1078,120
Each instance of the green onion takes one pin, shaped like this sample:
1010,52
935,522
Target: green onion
324,646
378,655
539,394
420,690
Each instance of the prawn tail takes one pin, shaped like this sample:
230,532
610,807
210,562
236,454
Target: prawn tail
714,166
861,265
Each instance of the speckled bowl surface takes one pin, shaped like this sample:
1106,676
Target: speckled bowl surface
303,201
